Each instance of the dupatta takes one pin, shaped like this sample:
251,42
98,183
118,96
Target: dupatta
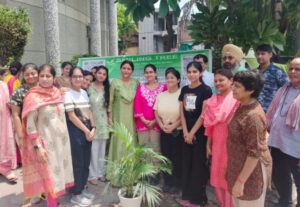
7,139
216,112
36,176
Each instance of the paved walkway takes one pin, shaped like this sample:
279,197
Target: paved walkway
11,195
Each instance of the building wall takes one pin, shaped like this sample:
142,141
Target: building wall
146,34
73,28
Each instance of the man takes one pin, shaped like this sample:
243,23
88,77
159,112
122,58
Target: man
12,79
232,56
274,76
207,77
284,123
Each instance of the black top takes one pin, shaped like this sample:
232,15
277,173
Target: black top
192,99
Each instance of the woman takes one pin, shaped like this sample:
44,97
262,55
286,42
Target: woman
99,98
248,153
3,74
122,92
81,128
8,157
195,171
88,78
30,79
47,165
64,79
218,111
146,93
12,79
167,115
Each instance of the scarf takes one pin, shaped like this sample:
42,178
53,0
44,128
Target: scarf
216,112
293,115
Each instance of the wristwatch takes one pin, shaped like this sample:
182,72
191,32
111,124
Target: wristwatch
37,146
93,127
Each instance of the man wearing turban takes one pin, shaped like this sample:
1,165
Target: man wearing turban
232,56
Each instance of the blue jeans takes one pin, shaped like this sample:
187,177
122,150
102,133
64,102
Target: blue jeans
81,156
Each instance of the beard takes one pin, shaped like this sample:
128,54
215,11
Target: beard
230,66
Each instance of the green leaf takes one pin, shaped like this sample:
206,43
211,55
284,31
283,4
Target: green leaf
163,8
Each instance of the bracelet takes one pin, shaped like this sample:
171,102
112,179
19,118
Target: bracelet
37,146
240,180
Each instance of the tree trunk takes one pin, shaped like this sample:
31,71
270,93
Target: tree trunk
170,31
113,28
95,27
52,33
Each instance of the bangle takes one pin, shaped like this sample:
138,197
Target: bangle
240,180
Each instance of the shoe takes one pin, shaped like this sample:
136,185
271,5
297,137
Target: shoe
87,194
80,200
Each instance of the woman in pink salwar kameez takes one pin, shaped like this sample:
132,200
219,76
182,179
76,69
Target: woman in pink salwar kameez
218,111
8,157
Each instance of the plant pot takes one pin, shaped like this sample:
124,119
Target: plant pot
129,202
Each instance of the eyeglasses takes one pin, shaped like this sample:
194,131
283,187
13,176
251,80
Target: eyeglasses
77,76
228,57
294,69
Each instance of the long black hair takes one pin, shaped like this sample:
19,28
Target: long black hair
105,84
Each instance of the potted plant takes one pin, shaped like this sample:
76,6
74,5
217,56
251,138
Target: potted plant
133,171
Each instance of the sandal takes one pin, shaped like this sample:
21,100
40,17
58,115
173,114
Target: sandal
94,182
11,177
103,179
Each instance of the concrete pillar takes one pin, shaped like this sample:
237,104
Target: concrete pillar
113,28
297,42
95,27
52,33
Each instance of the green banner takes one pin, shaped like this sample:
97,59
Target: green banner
162,61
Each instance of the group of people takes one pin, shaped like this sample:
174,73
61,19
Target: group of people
235,116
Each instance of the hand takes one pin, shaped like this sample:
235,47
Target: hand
189,138
110,122
88,136
167,129
238,189
41,155
92,133
151,124
208,151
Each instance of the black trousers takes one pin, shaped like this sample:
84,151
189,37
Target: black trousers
195,172
171,147
284,166
81,156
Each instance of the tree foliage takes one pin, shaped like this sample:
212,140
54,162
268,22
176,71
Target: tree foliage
144,8
125,26
14,32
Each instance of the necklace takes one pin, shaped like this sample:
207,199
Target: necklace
283,102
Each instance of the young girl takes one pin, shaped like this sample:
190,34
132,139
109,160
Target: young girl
99,98
47,163
194,168
81,128
218,111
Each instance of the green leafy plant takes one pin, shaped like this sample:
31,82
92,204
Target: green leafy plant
135,168
14,32
75,58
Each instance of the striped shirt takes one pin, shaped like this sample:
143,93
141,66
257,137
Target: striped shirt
78,102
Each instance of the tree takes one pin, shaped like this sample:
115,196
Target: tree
125,26
14,31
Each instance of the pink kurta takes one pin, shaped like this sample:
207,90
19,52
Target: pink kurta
219,110
8,158
143,105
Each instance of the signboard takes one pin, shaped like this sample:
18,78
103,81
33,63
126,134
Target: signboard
162,61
